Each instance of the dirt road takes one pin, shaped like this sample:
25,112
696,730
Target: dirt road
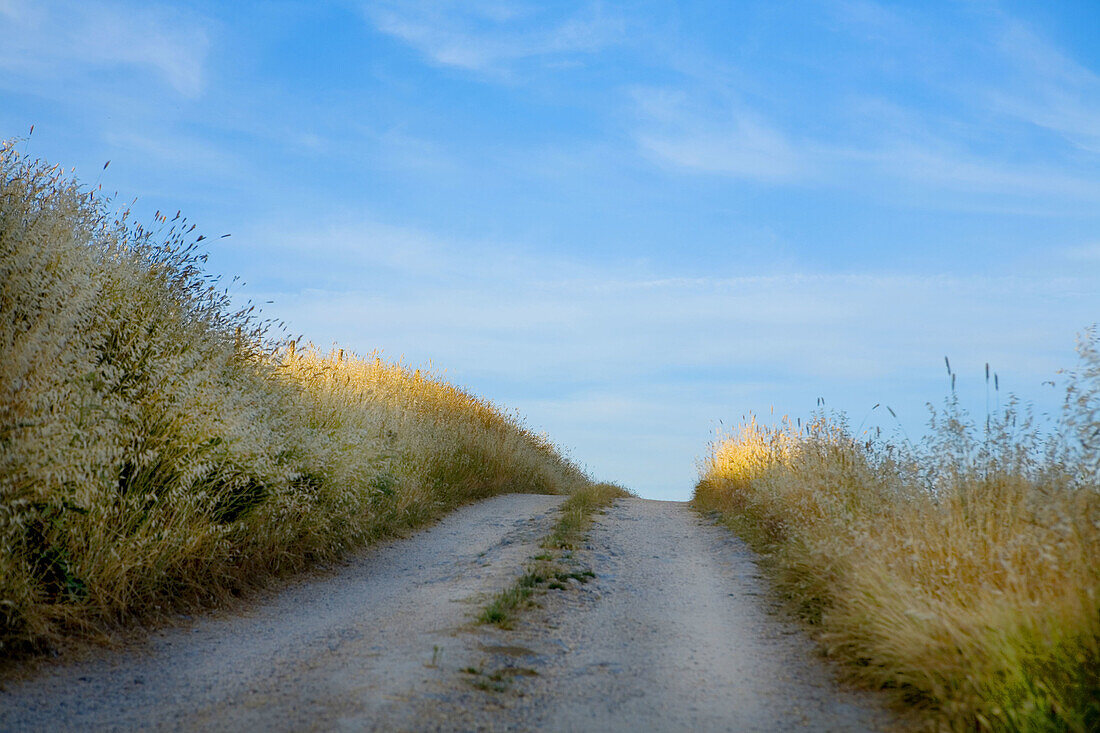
674,633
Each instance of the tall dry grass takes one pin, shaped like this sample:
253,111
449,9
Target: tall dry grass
157,449
962,573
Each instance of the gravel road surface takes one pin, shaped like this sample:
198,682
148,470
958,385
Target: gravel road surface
676,632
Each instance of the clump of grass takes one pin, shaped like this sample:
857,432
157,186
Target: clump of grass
500,610
499,680
576,514
548,569
960,573
158,449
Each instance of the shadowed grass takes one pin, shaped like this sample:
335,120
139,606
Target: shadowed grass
158,450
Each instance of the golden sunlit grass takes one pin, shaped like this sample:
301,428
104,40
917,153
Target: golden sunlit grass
963,574
157,450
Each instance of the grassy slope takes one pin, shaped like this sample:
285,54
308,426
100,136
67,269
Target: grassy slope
156,450
963,575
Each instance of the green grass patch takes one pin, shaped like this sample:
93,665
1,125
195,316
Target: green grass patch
576,514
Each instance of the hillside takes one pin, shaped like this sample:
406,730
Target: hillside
161,449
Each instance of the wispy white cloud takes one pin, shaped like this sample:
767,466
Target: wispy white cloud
872,19
65,42
723,138
489,36
885,145
166,149
1084,252
1048,88
993,60
950,169
546,313
735,141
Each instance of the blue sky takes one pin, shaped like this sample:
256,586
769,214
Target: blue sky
628,221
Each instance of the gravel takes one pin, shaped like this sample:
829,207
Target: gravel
676,632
